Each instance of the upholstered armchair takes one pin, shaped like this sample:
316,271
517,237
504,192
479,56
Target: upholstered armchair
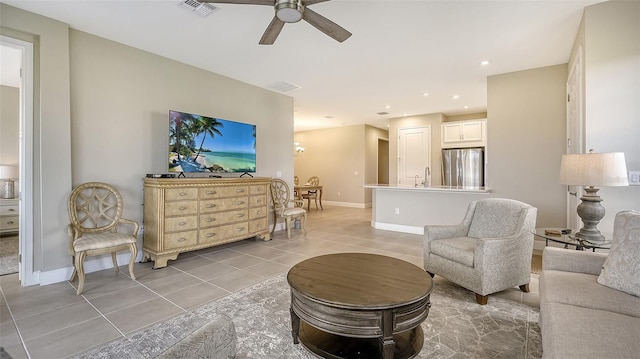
488,252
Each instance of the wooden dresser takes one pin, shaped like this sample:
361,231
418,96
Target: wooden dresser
185,214
9,216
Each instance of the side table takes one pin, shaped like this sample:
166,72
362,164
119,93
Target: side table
570,240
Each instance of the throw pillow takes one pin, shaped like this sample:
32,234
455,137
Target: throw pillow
621,269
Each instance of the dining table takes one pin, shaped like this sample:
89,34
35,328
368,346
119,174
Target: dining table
299,189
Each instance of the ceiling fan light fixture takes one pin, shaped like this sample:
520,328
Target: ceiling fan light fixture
289,10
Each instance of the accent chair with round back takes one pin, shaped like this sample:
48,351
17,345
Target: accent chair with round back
488,252
280,199
314,181
95,212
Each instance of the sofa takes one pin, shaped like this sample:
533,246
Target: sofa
590,301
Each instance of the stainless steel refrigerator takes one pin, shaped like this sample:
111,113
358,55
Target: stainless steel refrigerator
463,167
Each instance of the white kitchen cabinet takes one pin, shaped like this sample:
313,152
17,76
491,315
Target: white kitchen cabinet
464,134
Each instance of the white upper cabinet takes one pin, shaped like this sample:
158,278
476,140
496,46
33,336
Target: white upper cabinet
464,134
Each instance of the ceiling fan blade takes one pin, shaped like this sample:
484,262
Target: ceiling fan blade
325,25
311,2
248,2
272,31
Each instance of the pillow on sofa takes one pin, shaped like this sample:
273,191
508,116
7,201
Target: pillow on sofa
621,269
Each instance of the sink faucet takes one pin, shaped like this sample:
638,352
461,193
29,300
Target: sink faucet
427,173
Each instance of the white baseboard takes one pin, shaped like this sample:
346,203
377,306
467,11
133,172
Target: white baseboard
348,204
398,228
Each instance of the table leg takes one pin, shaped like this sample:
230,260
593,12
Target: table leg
387,344
320,198
295,326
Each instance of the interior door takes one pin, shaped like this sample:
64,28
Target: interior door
414,155
575,143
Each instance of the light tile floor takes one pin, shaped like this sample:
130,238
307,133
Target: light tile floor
53,322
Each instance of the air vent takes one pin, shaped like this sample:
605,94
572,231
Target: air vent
282,86
201,9
383,113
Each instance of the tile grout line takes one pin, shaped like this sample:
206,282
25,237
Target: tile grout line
15,325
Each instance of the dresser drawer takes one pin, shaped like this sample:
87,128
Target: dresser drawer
221,192
176,224
180,208
177,194
9,210
180,239
223,204
222,233
258,189
9,223
221,218
257,201
257,212
257,225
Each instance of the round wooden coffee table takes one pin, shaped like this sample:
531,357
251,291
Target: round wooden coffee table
357,305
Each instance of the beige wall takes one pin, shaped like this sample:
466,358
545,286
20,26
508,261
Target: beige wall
525,139
116,121
9,125
371,156
51,131
610,37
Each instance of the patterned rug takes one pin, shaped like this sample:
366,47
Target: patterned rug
8,255
456,327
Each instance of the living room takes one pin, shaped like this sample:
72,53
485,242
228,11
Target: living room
100,110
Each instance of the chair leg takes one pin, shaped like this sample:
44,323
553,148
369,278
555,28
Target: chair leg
75,272
114,259
134,254
525,288
431,274
275,220
303,222
79,264
482,299
288,222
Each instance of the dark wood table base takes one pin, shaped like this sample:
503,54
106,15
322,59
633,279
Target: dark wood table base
407,344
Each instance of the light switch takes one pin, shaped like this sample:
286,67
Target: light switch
634,178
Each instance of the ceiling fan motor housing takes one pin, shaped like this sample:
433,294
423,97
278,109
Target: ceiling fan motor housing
289,10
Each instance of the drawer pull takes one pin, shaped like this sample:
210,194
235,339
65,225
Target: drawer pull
209,235
11,222
211,219
12,209
211,205
182,223
240,215
259,200
240,203
183,194
182,208
239,190
239,229
258,212
211,192
181,239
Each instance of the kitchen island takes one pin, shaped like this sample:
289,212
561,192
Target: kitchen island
408,209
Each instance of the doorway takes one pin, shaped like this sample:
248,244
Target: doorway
22,67
383,161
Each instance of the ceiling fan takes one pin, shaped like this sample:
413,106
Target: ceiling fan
289,11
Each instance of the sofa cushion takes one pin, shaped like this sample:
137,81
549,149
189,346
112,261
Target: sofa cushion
621,270
583,290
576,332
458,249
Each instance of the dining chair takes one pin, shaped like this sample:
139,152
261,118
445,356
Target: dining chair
314,181
280,198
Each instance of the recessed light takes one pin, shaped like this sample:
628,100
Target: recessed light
328,117
425,94
466,106
484,63
387,106
455,97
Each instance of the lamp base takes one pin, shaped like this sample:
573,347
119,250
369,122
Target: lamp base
7,189
591,212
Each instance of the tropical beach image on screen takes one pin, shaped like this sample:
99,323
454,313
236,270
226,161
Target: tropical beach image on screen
207,144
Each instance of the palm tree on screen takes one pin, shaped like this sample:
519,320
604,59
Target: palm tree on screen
204,126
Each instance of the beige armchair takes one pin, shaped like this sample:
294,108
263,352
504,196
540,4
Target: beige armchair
95,212
488,252
280,199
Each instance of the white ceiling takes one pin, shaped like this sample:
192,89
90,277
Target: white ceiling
399,49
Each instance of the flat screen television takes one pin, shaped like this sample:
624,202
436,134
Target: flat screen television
208,144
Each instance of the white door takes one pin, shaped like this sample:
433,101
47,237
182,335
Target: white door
414,155
575,119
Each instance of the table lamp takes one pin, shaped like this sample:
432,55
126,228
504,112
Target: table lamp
589,170
7,174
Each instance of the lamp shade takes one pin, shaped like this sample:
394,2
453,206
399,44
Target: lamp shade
594,169
8,171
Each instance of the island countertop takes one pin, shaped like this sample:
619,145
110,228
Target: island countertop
429,189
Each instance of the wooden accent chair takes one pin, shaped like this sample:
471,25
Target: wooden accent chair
488,252
95,212
314,181
280,198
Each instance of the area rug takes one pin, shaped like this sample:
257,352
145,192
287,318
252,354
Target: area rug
8,255
456,327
